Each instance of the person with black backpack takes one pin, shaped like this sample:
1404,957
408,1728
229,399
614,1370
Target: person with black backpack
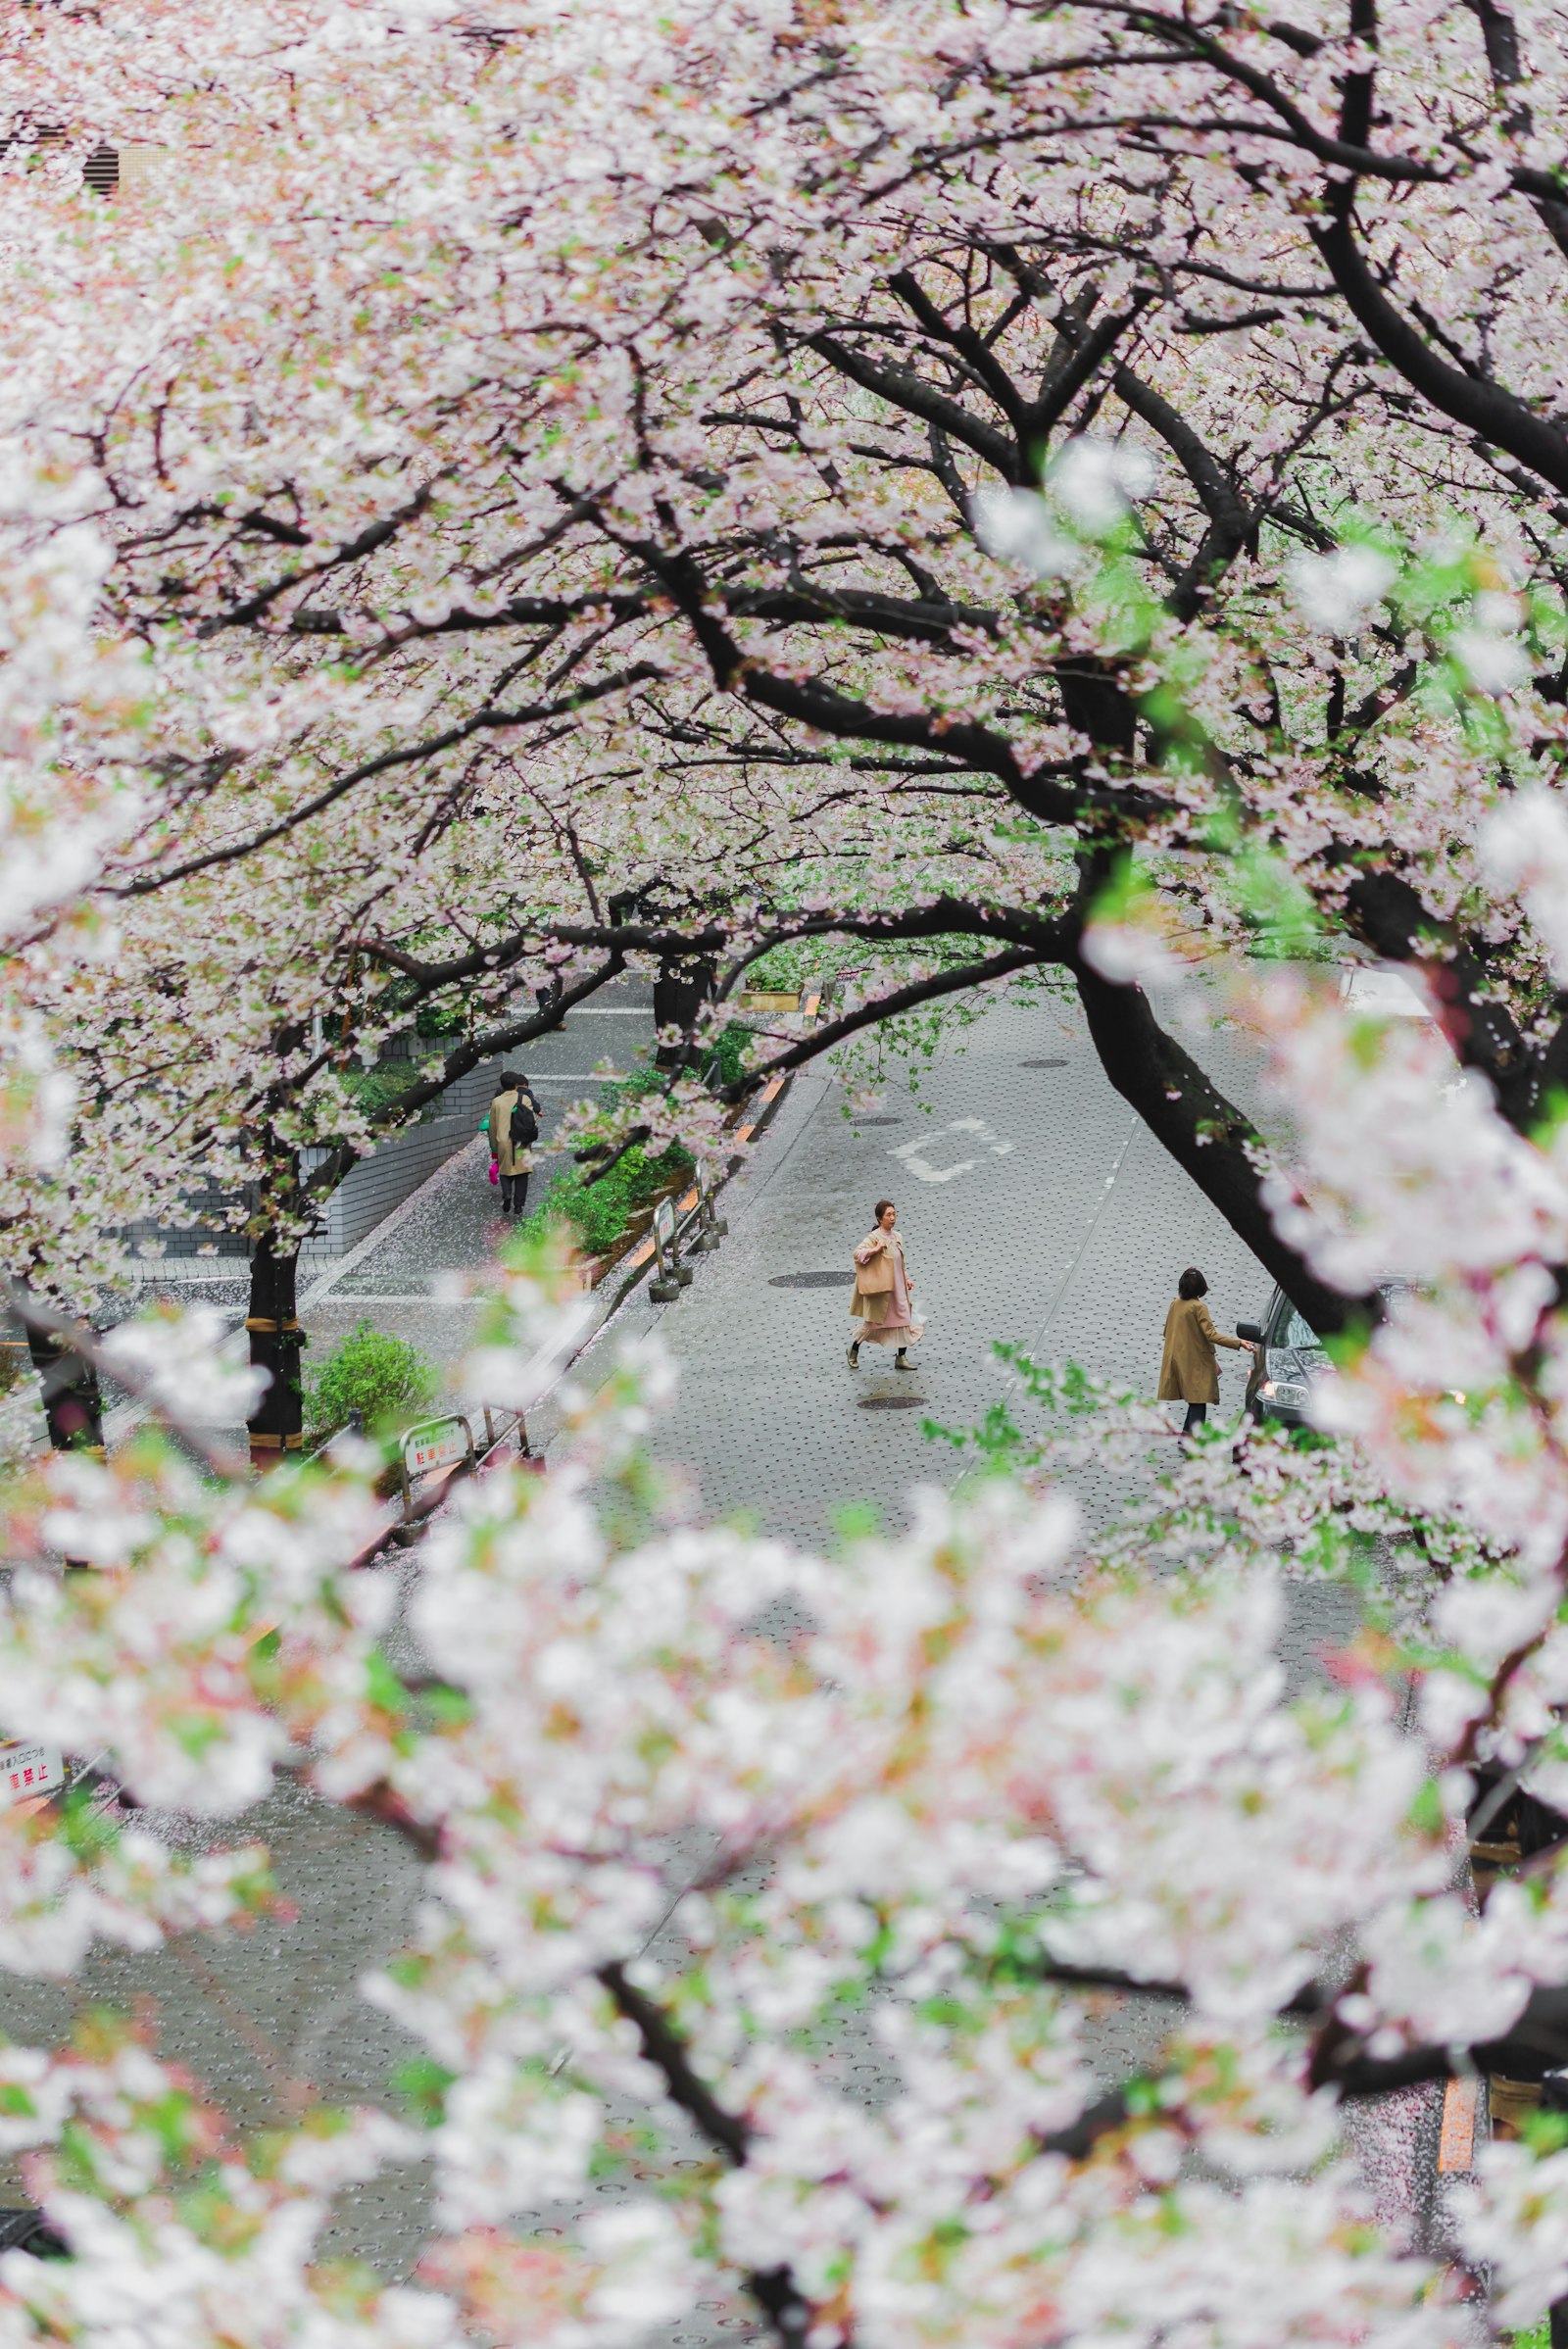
513,1125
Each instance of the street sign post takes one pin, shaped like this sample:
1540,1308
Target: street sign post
29,1772
433,1445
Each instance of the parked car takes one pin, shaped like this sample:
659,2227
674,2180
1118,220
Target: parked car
1384,991
1290,1359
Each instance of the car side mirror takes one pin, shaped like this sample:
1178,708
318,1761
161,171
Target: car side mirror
1249,1329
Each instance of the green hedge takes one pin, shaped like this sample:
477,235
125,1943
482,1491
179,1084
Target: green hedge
374,1089
730,1053
600,1212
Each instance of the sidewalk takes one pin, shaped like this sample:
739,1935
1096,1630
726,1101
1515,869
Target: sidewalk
454,1223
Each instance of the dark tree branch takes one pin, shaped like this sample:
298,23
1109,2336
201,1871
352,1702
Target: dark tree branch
377,535
1231,525
902,389
1536,2044
773,2288
885,1006
483,721
1483,407
663,2046
976,353
1063,384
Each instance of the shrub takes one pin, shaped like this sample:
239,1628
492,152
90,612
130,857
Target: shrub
600,1212
374,1089
385,1380
730,1049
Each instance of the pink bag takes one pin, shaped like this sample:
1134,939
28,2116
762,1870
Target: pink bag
495,1171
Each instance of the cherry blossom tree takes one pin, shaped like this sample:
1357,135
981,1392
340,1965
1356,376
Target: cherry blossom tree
703,1815
662,512
506,495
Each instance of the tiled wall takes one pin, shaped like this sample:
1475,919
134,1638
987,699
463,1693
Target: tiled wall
370,1190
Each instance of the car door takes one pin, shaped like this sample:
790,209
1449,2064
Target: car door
1258,1363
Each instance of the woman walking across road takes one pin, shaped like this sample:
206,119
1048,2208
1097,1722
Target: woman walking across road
882,1304
1189,1369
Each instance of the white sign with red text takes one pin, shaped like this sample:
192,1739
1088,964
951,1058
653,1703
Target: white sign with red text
29,1771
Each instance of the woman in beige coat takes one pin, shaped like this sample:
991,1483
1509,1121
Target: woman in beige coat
511,1155
1189,1369
882,1305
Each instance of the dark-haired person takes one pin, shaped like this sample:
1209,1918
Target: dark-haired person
1189,1368
513,1125
882,1304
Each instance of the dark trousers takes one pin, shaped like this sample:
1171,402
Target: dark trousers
514,1193
1196,1413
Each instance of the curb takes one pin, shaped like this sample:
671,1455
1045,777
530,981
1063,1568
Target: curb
639,1260
603,1301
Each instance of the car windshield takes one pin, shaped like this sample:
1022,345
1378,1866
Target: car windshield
1298,1334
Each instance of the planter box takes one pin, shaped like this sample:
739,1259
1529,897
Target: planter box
775,999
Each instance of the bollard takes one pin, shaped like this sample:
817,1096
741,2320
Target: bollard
667,1286
713,1226
674,1269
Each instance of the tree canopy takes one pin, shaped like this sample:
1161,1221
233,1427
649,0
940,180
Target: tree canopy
502,494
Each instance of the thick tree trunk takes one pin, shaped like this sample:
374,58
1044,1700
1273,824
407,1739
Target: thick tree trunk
73,1400
680,990
1203,1132
276,1426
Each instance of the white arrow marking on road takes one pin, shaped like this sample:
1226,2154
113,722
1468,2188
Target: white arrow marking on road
977,1125
914,1155
917,1167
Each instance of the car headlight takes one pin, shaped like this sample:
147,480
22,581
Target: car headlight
1286,1391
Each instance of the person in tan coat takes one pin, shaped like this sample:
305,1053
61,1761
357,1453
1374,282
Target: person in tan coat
883,1303
1189,1367
508,1146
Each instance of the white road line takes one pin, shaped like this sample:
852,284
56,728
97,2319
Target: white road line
363,1297
1089,1232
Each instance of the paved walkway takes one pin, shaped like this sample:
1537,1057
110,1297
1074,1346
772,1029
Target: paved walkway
454,1222
1035,1209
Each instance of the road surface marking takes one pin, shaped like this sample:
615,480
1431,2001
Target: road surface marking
912,1154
